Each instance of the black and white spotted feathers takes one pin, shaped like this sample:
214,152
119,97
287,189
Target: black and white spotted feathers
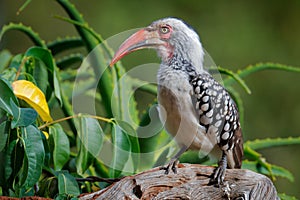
219,115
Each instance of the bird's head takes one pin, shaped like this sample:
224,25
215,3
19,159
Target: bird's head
169,36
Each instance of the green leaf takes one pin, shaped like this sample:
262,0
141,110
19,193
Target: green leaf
272,142
9,74
144,86
128,129
48,154
12,163
121,151
16,61
61,149
5,57
124,107
84,159
67,185
3,134
275,170
193,157
56,86
38,70
283,196
90,140
152,137
134,142
6,168
6,95
22,116
90,134
34,155
100,168
45,56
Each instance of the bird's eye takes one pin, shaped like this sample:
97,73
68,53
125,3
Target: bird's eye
164,29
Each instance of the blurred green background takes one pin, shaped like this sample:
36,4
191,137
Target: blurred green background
235,33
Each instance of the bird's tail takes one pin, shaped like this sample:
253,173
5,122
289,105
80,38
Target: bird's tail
236,153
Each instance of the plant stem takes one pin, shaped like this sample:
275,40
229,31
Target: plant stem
75,116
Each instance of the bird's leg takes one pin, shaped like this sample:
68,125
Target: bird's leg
219,173
172,164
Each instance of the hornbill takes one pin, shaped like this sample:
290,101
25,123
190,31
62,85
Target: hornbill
197,111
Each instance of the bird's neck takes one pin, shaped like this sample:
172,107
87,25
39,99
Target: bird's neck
179,64
186,59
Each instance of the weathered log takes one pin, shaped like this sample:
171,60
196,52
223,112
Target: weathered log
192,181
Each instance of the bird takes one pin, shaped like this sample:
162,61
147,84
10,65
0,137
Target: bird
196,109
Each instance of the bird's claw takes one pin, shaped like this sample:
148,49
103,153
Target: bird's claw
218,176
172,165
219,173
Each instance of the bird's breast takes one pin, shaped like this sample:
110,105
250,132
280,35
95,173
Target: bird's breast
178,114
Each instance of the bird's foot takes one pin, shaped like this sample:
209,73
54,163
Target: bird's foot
219,173
172,165
218,176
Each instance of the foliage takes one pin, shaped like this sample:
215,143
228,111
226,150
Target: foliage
38,152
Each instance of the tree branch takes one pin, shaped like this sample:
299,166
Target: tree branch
191,182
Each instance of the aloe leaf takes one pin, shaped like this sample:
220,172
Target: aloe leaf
82,25
283,196
239,102
260,67
100,54
100,63
125,109
23,6
236,78
68,61
272,142
275,170
89,40
64,44
25,29
250,153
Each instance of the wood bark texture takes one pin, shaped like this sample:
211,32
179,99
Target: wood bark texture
192,181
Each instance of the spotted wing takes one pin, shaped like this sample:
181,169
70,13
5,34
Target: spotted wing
219,115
